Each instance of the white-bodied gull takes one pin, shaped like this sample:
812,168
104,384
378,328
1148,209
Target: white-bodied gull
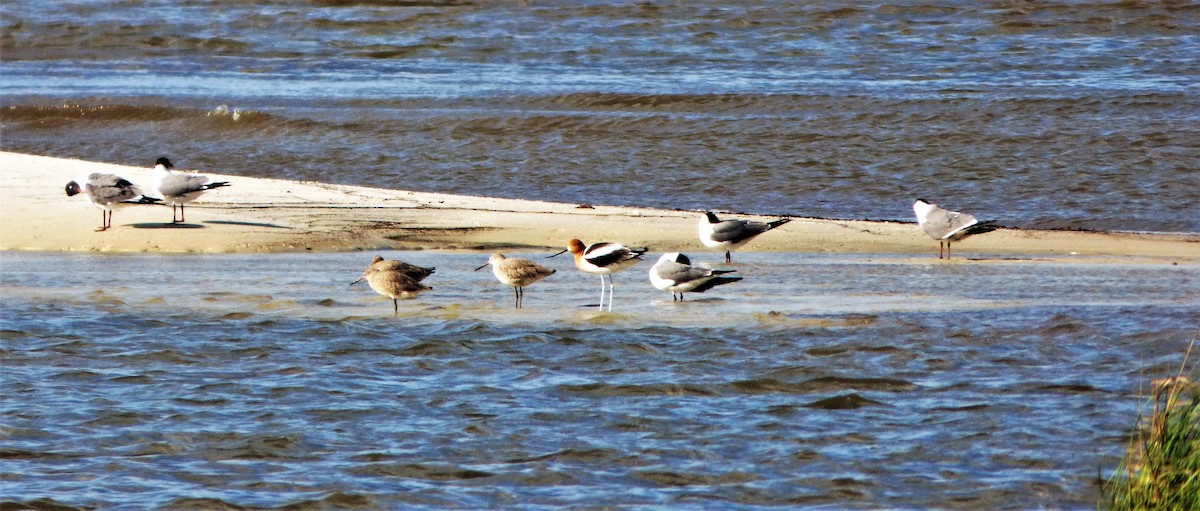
674,272
947,226
516,272
107,192
179,189
729,235
603,259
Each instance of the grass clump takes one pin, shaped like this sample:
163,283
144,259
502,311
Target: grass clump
1161,467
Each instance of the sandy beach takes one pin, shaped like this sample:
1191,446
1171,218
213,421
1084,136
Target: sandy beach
268,215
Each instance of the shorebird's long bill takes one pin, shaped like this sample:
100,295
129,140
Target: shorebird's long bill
558,254
357,281
485,265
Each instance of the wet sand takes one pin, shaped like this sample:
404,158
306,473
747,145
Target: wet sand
268,215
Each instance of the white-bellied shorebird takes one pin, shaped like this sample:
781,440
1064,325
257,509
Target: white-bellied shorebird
603,259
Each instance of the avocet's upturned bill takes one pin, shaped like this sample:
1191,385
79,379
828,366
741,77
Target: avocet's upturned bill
603,259
516,272
730,235
947,226
108,192
179,189
674,272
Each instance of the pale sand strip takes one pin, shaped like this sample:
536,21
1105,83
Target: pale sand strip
269,215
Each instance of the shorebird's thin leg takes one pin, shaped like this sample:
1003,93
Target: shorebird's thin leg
940,247
728,258
612,286
395,306
182,215
947,250
601,292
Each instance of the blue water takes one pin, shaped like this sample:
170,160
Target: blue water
1072,115
148,381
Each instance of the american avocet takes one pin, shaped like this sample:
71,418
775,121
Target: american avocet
603,259
730,235
674,272
517,273
947,226
392,283
107,192
180,189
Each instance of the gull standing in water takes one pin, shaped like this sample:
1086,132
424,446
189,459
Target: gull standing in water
603,259
947,226
674,272
107,192
732,234
388,279
180,189
517,273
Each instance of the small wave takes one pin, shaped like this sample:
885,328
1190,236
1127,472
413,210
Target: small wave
420,471
658,389
844,402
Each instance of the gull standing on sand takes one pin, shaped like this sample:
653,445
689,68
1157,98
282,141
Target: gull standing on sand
180,189
603,259
388,279
107,192
947,226
517,273
732,234
674,272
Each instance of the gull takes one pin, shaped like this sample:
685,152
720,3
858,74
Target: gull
392,283
517,273
732,234
602,259
108,192
947,226
674,272
180,189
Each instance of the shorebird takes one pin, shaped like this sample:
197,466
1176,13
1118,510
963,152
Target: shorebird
417,273
674,272
732,234
603,259
947,226
517,273
107,192
180,189
392,283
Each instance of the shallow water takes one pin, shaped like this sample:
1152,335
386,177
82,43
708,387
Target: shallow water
216,381
1049,114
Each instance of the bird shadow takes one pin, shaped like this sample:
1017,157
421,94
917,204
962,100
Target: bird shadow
149,225
247,224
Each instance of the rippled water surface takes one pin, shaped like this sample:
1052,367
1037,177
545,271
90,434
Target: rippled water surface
1058,114
247,381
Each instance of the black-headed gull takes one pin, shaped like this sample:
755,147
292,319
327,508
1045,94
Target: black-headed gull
179,189
516,272
108,192
674,272
947,226
730,235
